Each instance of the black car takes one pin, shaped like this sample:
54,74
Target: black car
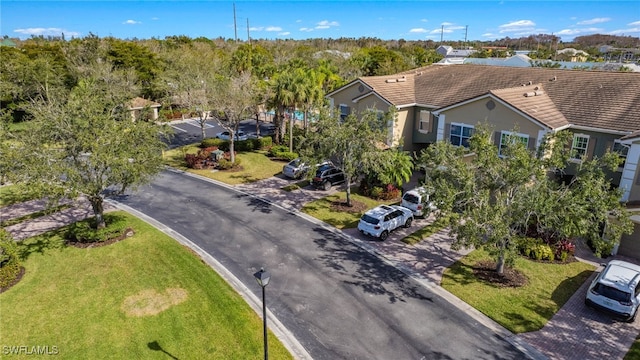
327,176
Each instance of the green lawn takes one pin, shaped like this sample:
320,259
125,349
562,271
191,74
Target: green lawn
255,166
322,209
634,351
523,309
144,297
13,194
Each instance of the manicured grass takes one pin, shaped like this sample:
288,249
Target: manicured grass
523,309
13,194
83,301
423,233
321,209
634,351
255,166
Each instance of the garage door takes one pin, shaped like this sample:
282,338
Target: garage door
630,244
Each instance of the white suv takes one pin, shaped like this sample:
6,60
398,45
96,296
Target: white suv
417,200
381,220
616,290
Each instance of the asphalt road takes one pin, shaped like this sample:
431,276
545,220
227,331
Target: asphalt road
338,300
188,131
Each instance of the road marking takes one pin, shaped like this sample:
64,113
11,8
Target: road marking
179,129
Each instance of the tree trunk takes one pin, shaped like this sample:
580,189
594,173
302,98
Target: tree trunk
98,211
348,191
258,125
203,122
291,133
500,264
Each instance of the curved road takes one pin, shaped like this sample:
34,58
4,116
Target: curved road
338,300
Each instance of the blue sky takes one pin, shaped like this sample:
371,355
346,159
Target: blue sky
410,20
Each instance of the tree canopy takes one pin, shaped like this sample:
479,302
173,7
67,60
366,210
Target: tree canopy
501,199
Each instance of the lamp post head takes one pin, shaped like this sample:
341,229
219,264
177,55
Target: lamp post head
262,277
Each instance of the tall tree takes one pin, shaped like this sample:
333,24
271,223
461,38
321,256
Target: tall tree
235,100
351,143
191,80
86,143
500,198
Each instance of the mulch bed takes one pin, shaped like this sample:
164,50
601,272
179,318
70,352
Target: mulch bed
15,281
356,206
486,271
84,245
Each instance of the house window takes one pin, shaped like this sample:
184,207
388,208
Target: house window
579,146
344,111
621,149
460,134
507,136
425,122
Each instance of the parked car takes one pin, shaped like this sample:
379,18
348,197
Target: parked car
296,168
382,220
417,200
225,135
328,175
616,290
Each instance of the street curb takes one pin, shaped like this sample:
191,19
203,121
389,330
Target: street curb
282,333
530,351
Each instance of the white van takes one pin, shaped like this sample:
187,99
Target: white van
417,200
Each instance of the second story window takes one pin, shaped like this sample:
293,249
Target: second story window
344,111
425,121
579,146
506,136
621,149
460,134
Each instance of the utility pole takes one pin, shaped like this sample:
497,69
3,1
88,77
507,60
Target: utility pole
441,33
235,27
466,30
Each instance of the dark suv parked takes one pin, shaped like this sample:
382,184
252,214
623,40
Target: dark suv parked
327,176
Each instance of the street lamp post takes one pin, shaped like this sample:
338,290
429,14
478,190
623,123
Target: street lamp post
263,277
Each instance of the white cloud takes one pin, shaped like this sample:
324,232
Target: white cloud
594,21
635,23
517,26
306,29
284,33
438,31
446,24
256,28
424,20
131,22
46,32
155,18
273,28
418,30
489,35
579,31
325,24
635,30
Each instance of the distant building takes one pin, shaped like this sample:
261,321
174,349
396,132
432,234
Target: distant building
138,107
573,55
7,42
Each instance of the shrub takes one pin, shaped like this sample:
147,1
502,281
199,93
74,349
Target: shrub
390,192
376,192
208,142
244,145
263,142
85,231
9,259
226,164
277,149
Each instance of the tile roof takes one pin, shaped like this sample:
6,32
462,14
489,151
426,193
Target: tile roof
535,102
599,99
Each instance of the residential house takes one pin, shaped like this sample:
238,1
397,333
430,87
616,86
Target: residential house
573,55
445,103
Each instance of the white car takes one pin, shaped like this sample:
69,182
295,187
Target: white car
225,135
616,290
381,220
296,168
417,200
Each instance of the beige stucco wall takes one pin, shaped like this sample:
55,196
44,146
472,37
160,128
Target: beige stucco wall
499,118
